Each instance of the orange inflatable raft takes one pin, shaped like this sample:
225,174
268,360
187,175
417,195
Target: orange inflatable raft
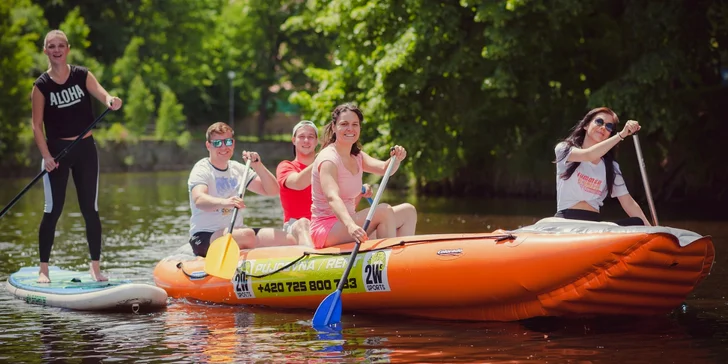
555,267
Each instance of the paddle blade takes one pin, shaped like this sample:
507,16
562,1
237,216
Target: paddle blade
222,257
329,311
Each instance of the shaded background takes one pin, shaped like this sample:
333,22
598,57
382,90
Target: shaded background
479,91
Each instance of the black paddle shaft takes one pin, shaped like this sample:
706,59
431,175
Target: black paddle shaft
354,252
56,159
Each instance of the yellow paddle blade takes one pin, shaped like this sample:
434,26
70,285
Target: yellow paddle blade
222,257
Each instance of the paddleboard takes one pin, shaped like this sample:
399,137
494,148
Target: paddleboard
78,291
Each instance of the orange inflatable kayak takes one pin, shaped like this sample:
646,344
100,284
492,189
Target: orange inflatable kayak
555,267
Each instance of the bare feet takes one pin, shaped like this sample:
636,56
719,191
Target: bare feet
98,277
43,276
96,272
301,231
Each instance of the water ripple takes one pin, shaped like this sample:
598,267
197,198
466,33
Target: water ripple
146,216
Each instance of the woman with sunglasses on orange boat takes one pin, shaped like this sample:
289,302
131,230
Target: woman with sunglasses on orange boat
586,171
213,190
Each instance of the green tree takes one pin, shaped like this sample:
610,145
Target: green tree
270,55
130,65
633,57
111,20
416,71
175,50
139,106
78,32
170,117
174,43
480,91
20,25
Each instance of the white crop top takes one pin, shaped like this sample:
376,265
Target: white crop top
588,183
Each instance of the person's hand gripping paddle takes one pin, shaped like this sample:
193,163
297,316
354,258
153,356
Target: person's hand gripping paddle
329,310
223,254
55,159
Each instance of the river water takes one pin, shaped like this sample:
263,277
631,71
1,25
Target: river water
145,217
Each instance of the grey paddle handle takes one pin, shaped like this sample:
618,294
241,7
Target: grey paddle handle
645,182
378,196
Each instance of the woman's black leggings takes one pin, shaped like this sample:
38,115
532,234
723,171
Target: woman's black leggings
82,162
577,214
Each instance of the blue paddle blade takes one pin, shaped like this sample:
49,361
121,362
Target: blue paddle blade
329,311
332,336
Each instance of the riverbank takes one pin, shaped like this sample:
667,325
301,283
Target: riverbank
145,156
500,179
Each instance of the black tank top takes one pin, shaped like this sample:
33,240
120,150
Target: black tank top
67,110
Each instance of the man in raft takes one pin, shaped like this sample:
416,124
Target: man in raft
213,190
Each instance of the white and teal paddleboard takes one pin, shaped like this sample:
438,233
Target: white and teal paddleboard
78,291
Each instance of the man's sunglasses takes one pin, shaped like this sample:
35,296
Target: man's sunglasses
609,126
217,143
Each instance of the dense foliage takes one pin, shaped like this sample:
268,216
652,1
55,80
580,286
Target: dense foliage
482,90
479,91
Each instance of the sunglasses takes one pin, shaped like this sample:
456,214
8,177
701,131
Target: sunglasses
609,126
217,143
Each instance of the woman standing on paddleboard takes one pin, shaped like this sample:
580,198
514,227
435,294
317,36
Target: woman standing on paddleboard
61,101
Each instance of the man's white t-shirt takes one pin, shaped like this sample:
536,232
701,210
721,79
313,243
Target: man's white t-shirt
220,183
588,183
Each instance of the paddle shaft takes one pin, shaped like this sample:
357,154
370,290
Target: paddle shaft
648,192
56,159
374,203
241,191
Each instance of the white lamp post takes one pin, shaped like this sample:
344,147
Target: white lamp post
231,76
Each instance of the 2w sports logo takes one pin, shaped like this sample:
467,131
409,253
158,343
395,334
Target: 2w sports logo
241,283
375,271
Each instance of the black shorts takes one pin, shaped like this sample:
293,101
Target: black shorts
577,214
200,242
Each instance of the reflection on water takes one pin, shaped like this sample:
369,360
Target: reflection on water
56,341
228,333
145,217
